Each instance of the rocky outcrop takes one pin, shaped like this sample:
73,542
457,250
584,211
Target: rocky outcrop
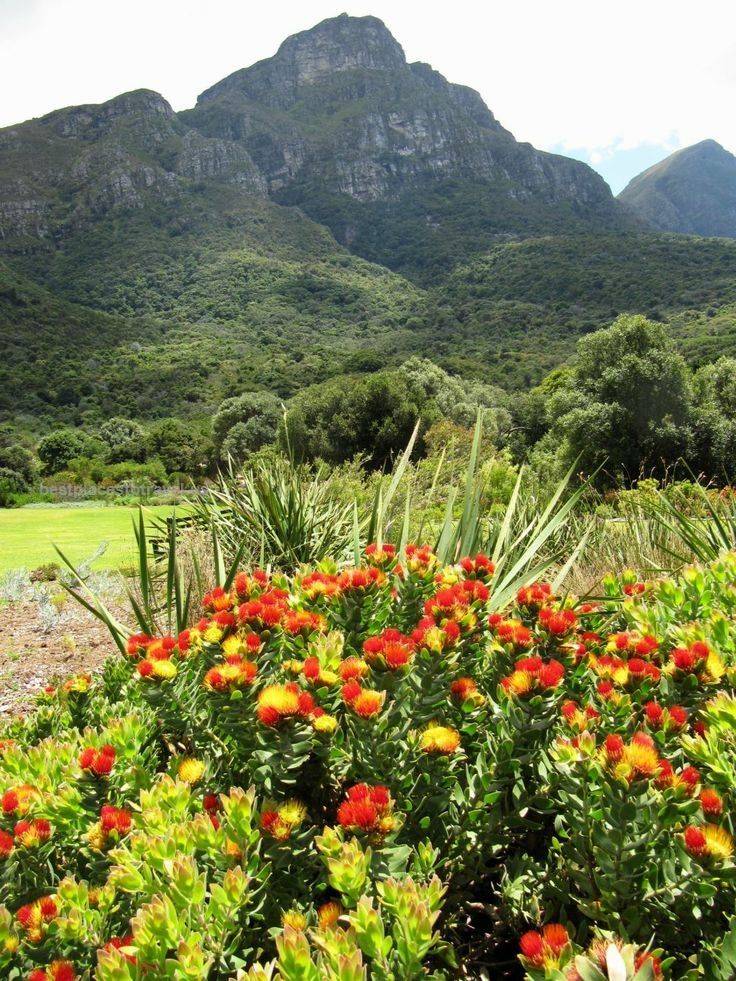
691,191
63,171
335,122
350,113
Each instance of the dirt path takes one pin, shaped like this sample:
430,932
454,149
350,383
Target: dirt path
32,655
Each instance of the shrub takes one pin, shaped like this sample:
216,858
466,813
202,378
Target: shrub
341,770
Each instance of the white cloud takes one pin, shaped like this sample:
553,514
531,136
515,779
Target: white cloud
569,74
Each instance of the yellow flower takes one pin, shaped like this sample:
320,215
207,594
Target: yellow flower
714,667
440,739
165,670
292,813
295,919
190,770
96,837
643,760
520,682
277,697
213,634
324,723
718,841
233,645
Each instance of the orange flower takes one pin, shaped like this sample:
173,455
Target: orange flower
368,703
442,740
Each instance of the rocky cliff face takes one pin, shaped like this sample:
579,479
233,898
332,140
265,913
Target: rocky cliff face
348,111
404,167
692,191
60,173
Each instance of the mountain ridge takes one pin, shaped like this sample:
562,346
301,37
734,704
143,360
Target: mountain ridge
692,191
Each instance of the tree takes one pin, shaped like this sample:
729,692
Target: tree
180,446
458,399
124,439
627,403
20,460
56,449
374,416
256,416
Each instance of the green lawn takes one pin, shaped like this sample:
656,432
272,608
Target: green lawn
28,535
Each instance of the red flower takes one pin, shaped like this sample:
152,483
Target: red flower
691,777
115,819
711,802
532,947
6,844
350,691
678,716
695,841
357,814
551,674
614,747
655,714
463,688
268,716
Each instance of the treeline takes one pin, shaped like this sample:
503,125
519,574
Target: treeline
628,403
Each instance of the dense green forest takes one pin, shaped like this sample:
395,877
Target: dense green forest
142,321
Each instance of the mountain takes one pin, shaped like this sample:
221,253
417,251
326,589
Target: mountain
691,191
404,167
328,210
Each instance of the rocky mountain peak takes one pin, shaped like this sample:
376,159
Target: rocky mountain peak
138,103
339,44
335,45
692,191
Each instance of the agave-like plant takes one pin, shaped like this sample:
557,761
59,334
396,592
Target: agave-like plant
700,533
160,597
284,515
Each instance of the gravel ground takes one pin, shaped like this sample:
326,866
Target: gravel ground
37,649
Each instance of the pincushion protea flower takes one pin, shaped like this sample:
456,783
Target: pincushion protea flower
279,702
295,920
544,949
56,971
32,833
365,702
534,596
353,669
441,740
7,843
420,559
281,821
98,761
18,800
380,555
711,802
190,770
318,584
477,566
708,841
33,917
226,677
532,674
466,690
391,649
368,809
328,915
557,622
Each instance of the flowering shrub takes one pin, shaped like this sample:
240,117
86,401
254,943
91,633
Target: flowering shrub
366,770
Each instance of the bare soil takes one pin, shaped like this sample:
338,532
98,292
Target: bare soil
32,657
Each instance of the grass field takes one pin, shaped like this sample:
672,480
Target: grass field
28,535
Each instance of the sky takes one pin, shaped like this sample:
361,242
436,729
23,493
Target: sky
619,85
